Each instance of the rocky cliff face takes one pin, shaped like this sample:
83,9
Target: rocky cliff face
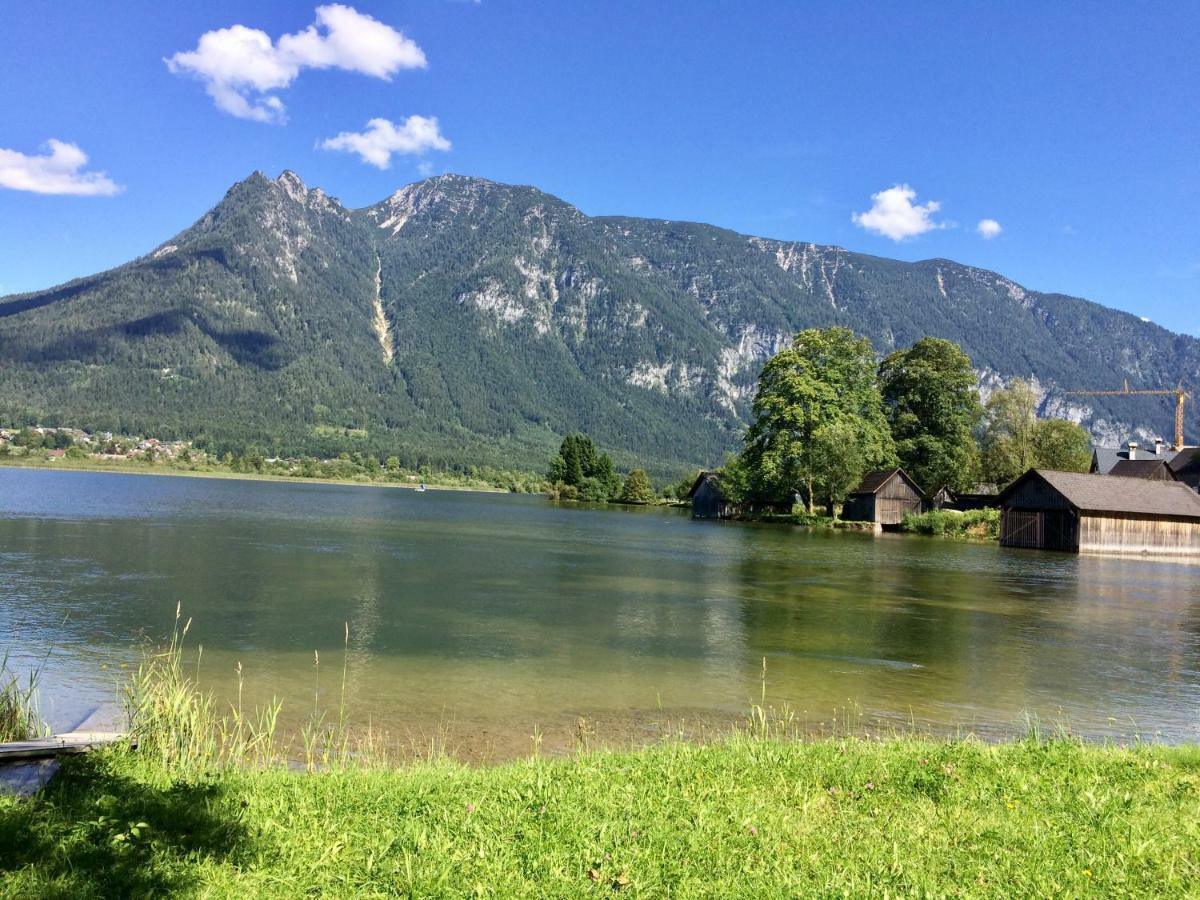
460,319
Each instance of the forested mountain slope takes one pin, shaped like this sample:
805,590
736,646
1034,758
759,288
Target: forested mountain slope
466,321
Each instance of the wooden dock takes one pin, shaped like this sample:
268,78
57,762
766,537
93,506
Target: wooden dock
27,766
50,747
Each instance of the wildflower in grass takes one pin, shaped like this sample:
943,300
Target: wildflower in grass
753,831
470,808
870,785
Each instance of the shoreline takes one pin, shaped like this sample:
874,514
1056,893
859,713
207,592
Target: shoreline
143,469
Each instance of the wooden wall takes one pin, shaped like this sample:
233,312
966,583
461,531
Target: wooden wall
709,502
887,506
1036,494
1038,529
1116,533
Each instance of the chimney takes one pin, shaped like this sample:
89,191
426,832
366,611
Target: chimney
1158,446
1133,449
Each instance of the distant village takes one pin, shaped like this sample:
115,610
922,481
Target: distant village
57,443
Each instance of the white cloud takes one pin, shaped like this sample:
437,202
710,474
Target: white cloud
988,229
241,66
56,172
425,167
895,216
415,135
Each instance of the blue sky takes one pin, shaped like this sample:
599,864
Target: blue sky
1075,128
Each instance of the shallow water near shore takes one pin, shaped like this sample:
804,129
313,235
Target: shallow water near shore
478,620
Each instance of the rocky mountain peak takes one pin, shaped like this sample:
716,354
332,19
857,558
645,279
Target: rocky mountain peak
292,185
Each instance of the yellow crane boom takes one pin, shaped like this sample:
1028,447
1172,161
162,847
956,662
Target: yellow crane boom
1178,393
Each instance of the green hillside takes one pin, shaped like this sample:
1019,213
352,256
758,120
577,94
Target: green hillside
466,321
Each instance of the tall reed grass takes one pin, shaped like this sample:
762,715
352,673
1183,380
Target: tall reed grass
179,726
19,716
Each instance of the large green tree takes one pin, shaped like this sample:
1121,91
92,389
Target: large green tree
1008,437
1016,440
931,399
1059,444
812,396
637,488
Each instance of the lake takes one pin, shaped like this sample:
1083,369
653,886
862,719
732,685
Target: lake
479,619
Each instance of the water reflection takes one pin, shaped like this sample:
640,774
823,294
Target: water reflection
502,613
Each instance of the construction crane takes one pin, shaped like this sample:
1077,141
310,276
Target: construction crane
1178,393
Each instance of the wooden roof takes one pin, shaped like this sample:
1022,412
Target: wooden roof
1102,493
873,482
700,479
1143,468
1104,458
1187,458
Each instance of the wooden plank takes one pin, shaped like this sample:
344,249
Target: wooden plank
70,742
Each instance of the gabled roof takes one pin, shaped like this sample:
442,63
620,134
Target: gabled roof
1143,468
700,479
873,482
1104,458
1185,458
1101,493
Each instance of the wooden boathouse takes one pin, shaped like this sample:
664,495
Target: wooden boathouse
708,498
884,497
1078,513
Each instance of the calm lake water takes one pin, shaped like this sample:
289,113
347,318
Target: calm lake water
484,617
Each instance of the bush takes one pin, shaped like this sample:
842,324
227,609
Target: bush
977,523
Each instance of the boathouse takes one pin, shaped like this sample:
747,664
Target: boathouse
708,498
1078,513
884,497
942,498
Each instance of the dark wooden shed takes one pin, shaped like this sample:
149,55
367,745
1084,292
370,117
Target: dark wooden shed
942,498
884,497
1078,513
708,499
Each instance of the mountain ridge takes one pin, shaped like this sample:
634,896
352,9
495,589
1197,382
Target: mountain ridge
461,319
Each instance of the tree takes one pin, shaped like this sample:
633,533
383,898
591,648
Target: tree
837,455
1015,440
931,400
581,467
637,488
1010,424
825,380
1062,445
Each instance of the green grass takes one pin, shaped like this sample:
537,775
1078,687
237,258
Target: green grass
749,817
213,804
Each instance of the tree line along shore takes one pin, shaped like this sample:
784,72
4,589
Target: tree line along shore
825,412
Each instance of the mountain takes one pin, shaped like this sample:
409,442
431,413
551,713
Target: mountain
461,320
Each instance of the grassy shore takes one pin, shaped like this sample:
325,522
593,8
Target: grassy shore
749,817
138,467
208,805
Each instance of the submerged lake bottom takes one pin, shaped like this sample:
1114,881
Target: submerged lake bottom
490,624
